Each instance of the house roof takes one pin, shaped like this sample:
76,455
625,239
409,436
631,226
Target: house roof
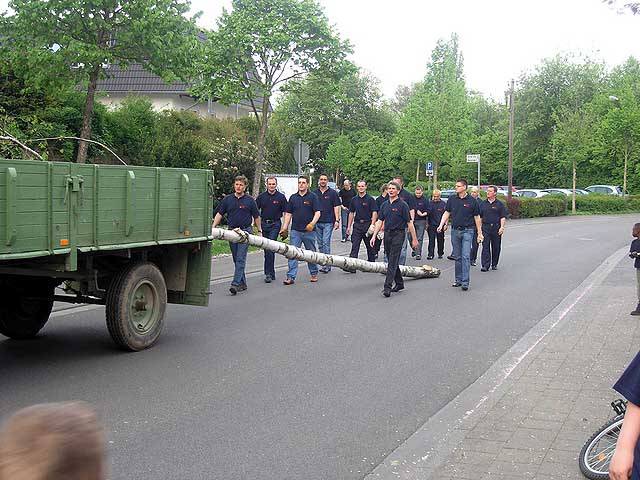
135,79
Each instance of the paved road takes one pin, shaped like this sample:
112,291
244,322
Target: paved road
314,381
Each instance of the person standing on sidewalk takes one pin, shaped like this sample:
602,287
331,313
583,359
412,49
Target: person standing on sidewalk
494,219
240,209
346,194
363,214
410,200
475,245
634,252
420,219
436,210
272,204
395,219
465,217
303,212
329,217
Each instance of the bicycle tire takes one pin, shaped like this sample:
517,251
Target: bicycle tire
597,452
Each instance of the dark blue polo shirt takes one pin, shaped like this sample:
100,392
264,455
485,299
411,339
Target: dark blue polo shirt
381,199
328,201
302,209
408,198
436,210
239,211
628,385
271,206
492,212
635,247
363,207
422,204
394,215
462,211
346,196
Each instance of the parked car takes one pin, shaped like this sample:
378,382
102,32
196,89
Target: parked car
444,194
531,193
605,189
565,191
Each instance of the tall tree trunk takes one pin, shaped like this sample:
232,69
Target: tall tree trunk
435,173
626,163
87,115
262,141
573,194
418,171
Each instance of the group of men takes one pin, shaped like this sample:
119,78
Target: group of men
396,218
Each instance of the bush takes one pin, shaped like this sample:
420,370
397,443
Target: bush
542,207
513,206
595,203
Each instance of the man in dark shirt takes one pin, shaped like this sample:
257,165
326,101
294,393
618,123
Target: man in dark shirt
494,218
272,204
363,214
410,200
329,217
395,218
436,210
380,199
475,194
634,252
303,212
465,216
346,194
420,219
240,209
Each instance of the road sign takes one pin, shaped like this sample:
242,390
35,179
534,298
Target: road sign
473,158
429,169
301,154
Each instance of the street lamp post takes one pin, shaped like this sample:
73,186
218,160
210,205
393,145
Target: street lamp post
616,101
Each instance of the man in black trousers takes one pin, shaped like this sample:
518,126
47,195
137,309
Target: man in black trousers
436,209
395,218
494,219
363,214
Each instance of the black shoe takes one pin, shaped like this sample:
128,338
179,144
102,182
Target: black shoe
233,289
413,254
397,288
241,288
430,257
418,257
439,256
494,267
456,284
483,269
636,312
473,264
386,293
465,287
324,270
451,257
267,279
343,240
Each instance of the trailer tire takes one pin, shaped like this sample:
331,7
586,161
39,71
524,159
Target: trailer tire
136,303
25,305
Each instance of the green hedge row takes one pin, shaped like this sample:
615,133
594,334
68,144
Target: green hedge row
535,207
554,205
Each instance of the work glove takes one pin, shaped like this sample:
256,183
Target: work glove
633,255
309,227
284,234
370,230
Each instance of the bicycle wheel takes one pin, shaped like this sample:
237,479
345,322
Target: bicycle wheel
596,454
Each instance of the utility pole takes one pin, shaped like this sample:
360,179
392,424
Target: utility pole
511,118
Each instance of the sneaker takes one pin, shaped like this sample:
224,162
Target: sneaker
483,269
386,292
451,257
636,312
267,279
288,281
494,267
465,287
413,254
418,257
473,264
397,288
241,288
343,240
430,257
456,284
439,256
233,289
324,270
314,278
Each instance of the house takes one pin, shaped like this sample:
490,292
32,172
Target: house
135,80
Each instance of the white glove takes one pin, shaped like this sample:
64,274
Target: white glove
371,229
380,235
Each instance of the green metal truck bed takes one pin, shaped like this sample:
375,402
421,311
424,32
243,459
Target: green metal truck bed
55,208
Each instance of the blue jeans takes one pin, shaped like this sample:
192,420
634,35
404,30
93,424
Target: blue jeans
461,241
270,231
421,226
324,231
239,254
344,216
297,238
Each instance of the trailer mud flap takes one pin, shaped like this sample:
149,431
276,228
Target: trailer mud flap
198,288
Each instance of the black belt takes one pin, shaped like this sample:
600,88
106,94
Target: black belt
462,228
266,220
490,224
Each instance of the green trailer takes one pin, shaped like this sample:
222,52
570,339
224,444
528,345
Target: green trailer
130,238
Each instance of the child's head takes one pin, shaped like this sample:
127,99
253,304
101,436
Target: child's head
52,441
636,230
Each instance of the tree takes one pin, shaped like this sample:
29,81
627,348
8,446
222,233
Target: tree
259,45
72,41
339,154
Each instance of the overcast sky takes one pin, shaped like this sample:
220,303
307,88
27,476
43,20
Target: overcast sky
499,39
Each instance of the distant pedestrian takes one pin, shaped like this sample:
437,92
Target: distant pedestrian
380,199
465,215
436,210
494,219
272,204
420,219
363,214
346,194
410,200
240,209
303,212
634,252
330,206
475,245
395,219
53,441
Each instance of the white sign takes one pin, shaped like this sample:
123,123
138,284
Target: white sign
429,169
473,158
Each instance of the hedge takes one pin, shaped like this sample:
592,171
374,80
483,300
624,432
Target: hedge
554,205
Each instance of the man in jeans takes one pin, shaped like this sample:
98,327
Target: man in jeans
272,204
465,217
329,216
240,209
303,212
420,219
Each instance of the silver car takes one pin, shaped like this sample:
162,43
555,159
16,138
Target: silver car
605,189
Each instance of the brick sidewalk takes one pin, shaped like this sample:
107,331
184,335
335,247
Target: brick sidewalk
534,420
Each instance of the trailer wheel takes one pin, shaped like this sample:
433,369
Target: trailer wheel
136,303
25,305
